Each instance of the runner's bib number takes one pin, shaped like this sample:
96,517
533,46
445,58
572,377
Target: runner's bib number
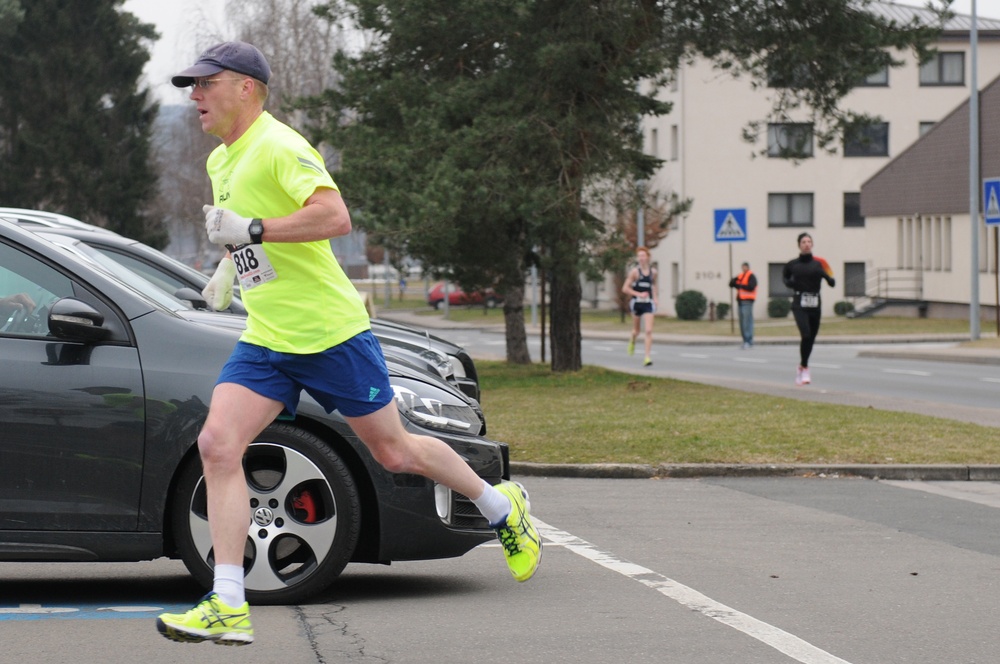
809,300
253,267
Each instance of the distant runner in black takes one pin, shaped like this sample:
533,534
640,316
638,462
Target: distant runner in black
804,275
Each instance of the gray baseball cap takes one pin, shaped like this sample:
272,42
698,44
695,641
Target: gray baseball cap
237,56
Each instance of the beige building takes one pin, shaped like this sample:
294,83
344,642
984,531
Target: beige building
917,216
707,161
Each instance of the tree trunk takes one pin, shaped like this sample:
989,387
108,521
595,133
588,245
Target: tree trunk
566,337
513,318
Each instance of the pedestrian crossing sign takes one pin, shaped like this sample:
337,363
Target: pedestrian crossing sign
731,225
991,200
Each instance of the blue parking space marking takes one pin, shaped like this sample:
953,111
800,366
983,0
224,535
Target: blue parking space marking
68,611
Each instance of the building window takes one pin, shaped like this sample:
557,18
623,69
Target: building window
775,284
654,140
854,279
675,149
789,209
852,210
879,79
796,77
944,69
790,140
871,140
926,127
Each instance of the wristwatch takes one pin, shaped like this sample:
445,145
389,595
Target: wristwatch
256,231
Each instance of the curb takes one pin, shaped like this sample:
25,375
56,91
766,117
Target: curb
926,473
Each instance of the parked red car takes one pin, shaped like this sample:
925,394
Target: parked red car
458,297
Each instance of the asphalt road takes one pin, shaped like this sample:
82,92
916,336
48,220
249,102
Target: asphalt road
741,570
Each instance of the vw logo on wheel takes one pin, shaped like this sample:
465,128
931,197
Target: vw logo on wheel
263,516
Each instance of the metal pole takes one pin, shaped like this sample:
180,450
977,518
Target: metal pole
534,295
732,325
974,179
388,286
640,217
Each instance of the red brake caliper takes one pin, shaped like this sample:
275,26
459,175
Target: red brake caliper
304,501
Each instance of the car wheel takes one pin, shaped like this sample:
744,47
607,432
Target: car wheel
305,517
491,303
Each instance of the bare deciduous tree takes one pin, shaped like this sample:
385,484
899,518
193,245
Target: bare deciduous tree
299,46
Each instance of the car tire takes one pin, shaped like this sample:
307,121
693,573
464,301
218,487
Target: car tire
305,517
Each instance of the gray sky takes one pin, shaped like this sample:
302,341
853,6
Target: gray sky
178,21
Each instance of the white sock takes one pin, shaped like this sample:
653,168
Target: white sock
228,585
494,505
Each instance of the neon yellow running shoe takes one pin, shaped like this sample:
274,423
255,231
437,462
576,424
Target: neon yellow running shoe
210,620
522,545
631,347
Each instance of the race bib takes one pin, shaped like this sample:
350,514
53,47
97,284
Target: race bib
253,268
809,300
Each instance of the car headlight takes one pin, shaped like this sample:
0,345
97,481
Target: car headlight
456,366
435,414
438,361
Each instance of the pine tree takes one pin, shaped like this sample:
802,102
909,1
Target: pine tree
75,128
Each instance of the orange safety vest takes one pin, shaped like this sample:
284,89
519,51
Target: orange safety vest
743,280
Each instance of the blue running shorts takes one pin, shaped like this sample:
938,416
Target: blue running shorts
350,377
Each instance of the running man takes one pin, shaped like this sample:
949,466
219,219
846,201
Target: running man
275,208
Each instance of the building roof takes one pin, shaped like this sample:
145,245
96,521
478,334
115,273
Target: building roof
932,175
959,23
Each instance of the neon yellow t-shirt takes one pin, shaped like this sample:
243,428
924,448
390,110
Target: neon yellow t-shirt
311,305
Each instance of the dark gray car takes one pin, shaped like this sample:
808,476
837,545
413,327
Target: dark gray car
101,399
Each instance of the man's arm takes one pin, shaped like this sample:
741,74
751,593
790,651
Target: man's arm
323,216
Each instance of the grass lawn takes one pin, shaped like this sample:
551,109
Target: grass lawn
602,416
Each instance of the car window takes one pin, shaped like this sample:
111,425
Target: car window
135,281
24,275
162,280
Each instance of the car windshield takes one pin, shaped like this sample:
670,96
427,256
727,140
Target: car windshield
126,276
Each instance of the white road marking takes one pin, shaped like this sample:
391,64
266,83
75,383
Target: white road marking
907,372
607,349
991,380
695,356
983,493
819,365
38,608
750,360
780,640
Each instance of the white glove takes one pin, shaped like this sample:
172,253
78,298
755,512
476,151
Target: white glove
226,227
219,291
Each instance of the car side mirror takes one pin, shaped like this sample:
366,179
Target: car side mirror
75,320
189,294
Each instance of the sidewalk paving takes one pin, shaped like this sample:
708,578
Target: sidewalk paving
930,347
